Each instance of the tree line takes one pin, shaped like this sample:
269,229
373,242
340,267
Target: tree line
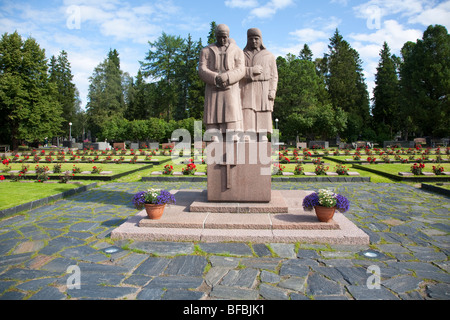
318,99
411,95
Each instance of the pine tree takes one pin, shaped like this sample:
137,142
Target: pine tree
28,105
346,85
106,98
191,97
162,64
212,33
386,94
302,105
306,53
61,76
425,74
136,104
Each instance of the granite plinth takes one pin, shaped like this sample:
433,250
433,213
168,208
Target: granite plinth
239,171
277,204
180,224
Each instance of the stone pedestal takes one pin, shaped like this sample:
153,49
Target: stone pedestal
239,172
180,223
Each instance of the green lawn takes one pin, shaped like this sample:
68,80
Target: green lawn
443,185
15,193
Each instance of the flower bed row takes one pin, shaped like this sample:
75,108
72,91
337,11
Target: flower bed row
92,152
390,159
81,159
65,172
277,169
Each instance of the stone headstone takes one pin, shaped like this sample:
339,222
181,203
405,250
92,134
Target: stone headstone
403,144
134,146
322,144
119,145
420,141
154,146
170,145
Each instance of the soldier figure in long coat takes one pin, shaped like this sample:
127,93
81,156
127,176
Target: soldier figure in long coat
259,86
221,67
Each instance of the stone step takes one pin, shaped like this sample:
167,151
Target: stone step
178,223
239,221
276,205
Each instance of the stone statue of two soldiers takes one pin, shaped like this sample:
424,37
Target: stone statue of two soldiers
240,85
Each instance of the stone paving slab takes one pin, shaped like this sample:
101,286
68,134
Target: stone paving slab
408,228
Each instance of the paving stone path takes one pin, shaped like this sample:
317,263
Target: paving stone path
408,228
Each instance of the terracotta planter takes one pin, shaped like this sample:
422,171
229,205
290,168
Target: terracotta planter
154,211
324,214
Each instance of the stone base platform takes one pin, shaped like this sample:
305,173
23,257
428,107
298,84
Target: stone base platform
255,224
277,204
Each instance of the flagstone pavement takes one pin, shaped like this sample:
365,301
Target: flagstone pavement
408,228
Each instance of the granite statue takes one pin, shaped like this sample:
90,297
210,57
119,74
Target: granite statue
258,86
221,67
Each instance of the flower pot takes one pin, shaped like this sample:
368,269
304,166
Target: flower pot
154,211
324,214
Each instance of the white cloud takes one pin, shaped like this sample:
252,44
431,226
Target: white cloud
92,14
83,63
134,27
104,4
309,35
389,7
268,10
263,12
437,15
424,12
317,35
241,4
318,49
369,45
392,32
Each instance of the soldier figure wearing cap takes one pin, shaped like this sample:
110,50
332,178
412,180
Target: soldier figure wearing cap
259,86
221,67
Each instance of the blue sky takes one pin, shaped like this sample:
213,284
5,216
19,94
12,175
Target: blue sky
87,29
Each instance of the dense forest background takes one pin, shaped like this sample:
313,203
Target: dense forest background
316,100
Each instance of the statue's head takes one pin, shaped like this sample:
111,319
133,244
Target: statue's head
254,39
222,34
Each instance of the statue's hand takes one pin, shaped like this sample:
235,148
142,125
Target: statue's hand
257,70
221,80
